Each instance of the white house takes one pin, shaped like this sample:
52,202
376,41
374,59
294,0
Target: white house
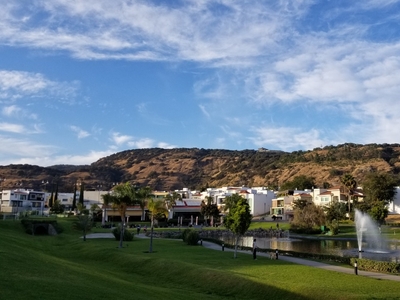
21,200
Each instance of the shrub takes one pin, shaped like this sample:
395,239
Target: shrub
128,236
185,233
192,238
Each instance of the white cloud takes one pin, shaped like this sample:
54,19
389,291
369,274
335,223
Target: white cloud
204,110
16,148
16,112
11,110
286,138
17,84
14,128
80,132
208,31
120,139
142,143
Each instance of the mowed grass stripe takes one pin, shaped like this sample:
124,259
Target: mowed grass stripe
44,267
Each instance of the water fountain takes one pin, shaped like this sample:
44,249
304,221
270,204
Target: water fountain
368,232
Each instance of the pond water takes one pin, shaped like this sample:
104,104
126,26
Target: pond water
323,246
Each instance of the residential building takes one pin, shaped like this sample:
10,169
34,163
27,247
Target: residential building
21,200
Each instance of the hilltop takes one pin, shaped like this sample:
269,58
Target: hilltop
170,169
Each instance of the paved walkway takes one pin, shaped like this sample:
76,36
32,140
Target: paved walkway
310,263
291,259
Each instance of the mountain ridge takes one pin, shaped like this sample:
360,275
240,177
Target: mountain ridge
197,168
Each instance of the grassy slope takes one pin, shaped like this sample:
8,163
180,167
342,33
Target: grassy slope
44,267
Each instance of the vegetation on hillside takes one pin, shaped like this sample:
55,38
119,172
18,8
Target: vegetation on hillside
170,169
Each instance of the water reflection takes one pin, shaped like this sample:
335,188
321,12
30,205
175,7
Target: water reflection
323,246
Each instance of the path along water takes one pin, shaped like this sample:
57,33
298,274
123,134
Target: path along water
294,260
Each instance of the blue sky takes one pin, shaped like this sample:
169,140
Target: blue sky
80,80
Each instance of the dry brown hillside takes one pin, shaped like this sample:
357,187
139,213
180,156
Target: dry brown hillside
169,169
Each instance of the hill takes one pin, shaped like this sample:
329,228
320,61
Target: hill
170,169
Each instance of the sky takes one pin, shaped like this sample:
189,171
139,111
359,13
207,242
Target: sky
83,79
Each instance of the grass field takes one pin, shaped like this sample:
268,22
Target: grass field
65,267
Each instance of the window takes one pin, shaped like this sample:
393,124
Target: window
325,199
64,200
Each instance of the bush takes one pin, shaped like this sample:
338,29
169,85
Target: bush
376,266
128,236
192,238
185,233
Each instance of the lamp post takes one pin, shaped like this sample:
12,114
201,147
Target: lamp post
45,183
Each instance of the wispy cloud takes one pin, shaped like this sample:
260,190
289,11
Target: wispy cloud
80,132
294,138
201,31
14,128
18,84
133,142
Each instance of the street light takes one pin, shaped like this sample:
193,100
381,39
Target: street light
45,183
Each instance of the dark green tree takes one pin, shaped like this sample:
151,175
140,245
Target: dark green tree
301,182
84,223
209,209
56,194
143,195
121,197
231,201
81,193
74,198
379,187
350,185
57,207
51,199
334,213
238,218
308,218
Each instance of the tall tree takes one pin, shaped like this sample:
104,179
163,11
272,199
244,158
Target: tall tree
238,218
156,208
143,196
379,187
83,222
51,199
334,213
379,191
209,209
171,199
121,197
56,194
74,198
308,218
231,201
301,182
81,194
350,185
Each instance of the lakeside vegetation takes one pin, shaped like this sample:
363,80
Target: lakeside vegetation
50,267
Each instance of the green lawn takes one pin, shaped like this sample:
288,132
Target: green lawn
65,267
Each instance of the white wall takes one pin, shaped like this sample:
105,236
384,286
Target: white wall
394,207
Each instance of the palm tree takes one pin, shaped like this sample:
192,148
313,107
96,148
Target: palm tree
350,183
123,195
143,195
170,200
155,207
